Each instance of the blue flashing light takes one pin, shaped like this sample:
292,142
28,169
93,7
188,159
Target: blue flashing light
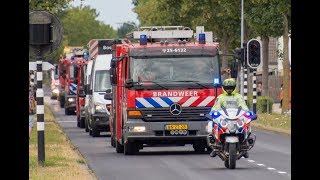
202,38
143,39
215,114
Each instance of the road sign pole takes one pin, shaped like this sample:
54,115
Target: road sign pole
40,112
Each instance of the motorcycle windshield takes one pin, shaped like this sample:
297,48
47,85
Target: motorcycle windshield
231,113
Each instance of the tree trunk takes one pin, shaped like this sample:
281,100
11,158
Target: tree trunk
286,105
265,65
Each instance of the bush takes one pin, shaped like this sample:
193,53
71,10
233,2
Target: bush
262,103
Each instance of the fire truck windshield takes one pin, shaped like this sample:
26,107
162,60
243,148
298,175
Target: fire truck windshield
102,81
175,69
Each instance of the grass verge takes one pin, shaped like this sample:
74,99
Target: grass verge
62,160
273,122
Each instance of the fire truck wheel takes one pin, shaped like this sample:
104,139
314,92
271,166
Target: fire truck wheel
119,147
95,133
66,111
61,99
130,148
199,147
81,123
86,125
78,123
113,141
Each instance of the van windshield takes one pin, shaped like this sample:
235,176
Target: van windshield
102,81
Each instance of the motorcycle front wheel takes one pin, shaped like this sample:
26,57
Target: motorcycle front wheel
231,161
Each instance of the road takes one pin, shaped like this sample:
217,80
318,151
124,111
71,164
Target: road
270,158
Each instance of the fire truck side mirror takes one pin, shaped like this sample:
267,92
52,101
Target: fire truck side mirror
108,95
85,88
81,92
113,76
129,83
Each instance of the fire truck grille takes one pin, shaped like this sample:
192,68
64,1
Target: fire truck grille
164,114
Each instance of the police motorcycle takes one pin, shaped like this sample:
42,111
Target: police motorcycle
230,134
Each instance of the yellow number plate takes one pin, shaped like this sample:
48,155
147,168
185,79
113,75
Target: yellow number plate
176,126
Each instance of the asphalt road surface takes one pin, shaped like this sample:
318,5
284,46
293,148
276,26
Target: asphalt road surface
269,159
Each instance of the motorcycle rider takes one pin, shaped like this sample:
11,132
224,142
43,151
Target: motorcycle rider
229,98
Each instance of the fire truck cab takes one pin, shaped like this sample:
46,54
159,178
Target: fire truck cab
170,106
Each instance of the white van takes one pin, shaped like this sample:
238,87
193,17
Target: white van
87,77
98,107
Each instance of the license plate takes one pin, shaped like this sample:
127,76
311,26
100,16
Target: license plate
176,126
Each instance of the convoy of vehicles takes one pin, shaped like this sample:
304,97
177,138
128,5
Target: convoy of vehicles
171,108
168,108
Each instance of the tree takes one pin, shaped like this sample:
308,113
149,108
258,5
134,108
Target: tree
284,7
264,20
80,25
53,6
125,28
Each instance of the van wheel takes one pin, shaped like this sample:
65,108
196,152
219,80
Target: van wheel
95,133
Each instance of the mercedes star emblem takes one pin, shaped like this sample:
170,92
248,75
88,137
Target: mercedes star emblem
175,109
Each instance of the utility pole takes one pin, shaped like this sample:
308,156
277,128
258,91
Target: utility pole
242,39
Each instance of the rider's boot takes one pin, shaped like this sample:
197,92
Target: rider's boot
246,155
213,154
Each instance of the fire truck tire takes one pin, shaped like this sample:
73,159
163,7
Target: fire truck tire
129,148
95,133
113,141
119,147
78,123
201,147
67,111
61,100
86,125
81,123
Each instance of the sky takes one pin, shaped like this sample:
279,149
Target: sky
112,12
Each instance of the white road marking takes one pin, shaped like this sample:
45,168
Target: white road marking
282,172
271,168
67,121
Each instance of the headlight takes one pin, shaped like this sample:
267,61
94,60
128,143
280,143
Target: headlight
137,129
223,123
100,108
240,123
71,99
232,126
56,91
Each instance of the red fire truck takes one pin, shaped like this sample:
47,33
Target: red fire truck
68,73
170,107
80,95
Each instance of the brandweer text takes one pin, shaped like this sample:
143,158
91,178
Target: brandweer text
175,93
